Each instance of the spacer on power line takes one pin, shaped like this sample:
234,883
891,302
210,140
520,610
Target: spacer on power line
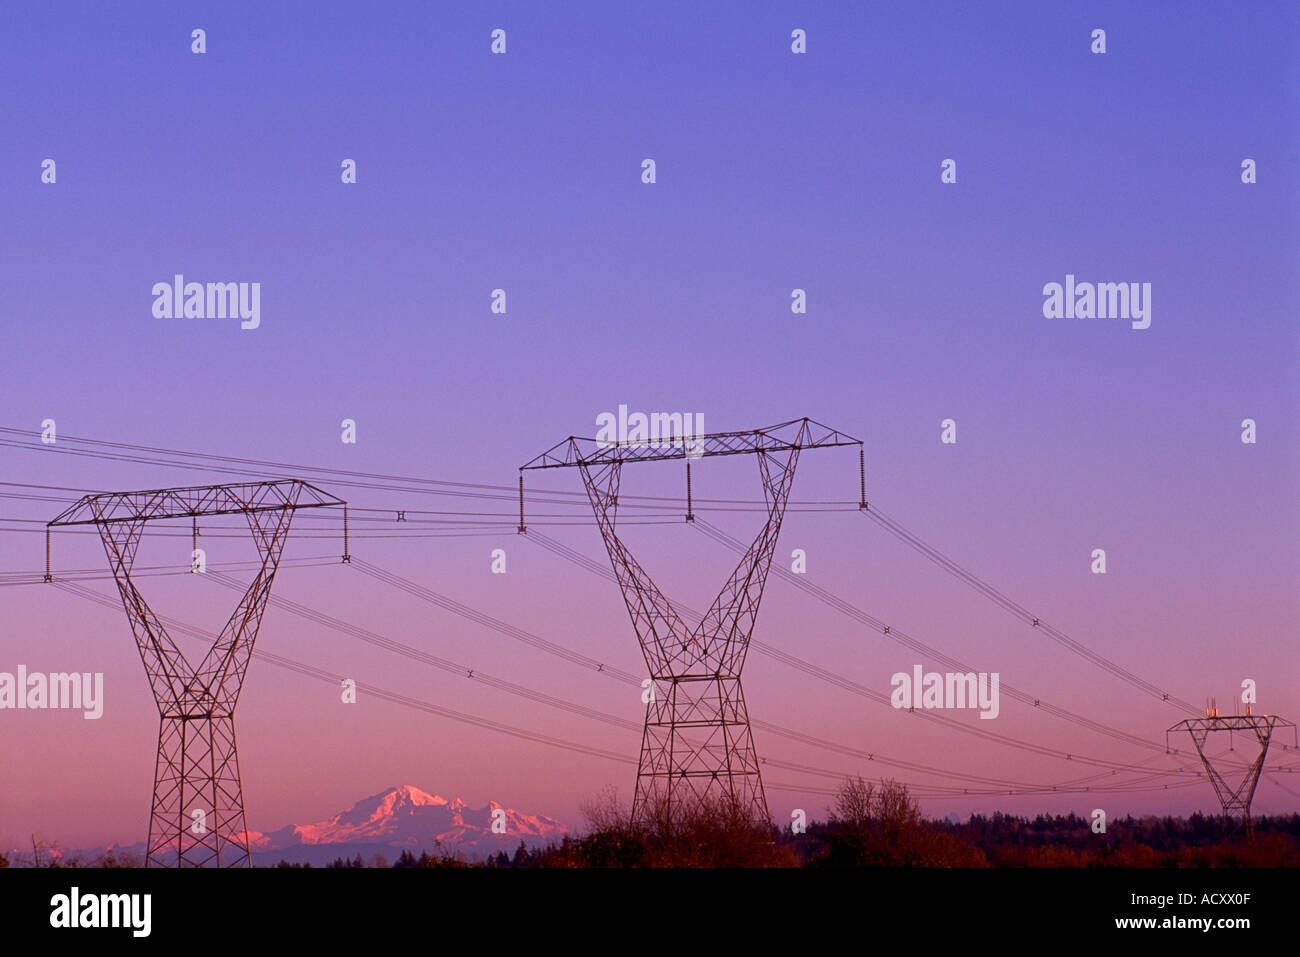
197,815
697,744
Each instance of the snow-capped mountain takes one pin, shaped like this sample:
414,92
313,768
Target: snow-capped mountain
407,818
398,819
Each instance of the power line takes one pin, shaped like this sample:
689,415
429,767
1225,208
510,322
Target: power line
923,790
1005,602
449,604
336,680
901,637
475,674
262,468
468,524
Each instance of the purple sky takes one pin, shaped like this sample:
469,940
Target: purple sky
775,171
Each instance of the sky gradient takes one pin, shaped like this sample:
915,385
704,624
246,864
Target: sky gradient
775,171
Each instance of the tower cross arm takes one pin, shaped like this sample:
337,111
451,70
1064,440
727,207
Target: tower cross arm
1242,722
197,501
787,436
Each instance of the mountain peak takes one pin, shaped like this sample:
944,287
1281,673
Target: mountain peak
410,794
405,818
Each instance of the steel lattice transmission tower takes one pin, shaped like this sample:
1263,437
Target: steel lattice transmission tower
197,816
1261,725
697,744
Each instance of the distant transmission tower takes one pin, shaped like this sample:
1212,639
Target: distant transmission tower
697,743
198,803
1232,798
